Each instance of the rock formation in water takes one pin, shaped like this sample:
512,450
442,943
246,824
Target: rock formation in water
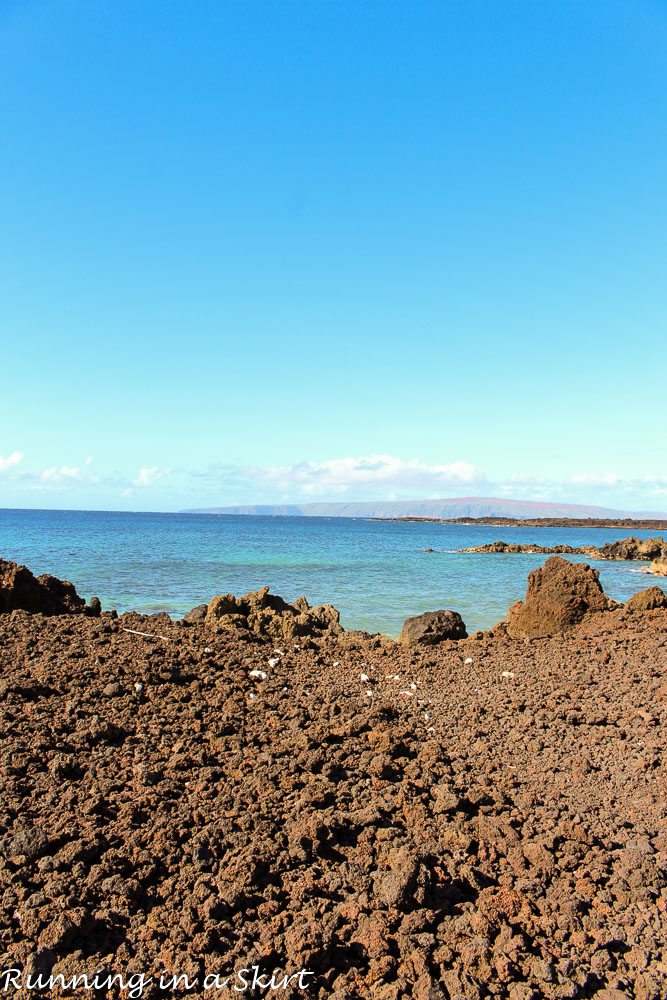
633,548
534,549
637,549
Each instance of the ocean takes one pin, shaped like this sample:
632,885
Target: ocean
374,572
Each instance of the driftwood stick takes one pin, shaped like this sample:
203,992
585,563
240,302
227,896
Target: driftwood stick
149,635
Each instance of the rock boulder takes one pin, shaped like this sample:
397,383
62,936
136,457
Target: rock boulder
633,548
94,608
267,614
432,627
647,600
559,595
659,567
197,615
47,595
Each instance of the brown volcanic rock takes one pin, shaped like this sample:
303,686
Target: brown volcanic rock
633,548
499,834
533,548
647,600
191,803
560,594
432,627
269,615
659,567
20,589
196,615
625,548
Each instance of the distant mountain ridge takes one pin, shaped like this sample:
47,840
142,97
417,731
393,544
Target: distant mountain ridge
446,508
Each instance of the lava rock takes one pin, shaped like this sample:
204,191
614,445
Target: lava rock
647,600
659,566
634,549
560,594
267,614
432,627
21,590
29,842
532,548
490,828
197,615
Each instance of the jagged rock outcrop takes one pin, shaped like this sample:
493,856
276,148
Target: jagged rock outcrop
560,594
432,627
647,600
46,594
267,614
634,548
659,567
533,548
639,549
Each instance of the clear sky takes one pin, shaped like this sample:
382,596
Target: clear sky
266,251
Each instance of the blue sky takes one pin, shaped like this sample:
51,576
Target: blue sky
258,252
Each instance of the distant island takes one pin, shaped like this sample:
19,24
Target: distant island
639,524
466,510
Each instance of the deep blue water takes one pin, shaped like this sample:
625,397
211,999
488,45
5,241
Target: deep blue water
372,571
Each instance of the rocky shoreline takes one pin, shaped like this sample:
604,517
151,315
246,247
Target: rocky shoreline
639,524
452,818
653,550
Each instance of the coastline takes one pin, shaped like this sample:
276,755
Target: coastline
651,550
638,524
476,817
375,574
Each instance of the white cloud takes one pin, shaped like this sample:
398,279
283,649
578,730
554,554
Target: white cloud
385,471
148,476
66,478
63,473
11,461
371,477
54,479
384,477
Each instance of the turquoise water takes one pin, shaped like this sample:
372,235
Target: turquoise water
372,571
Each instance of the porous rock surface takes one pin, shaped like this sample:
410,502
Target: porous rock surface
659,566
269,615
532,548
634,548
432,627
647,600
482,818
19,588
560,594
638,549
